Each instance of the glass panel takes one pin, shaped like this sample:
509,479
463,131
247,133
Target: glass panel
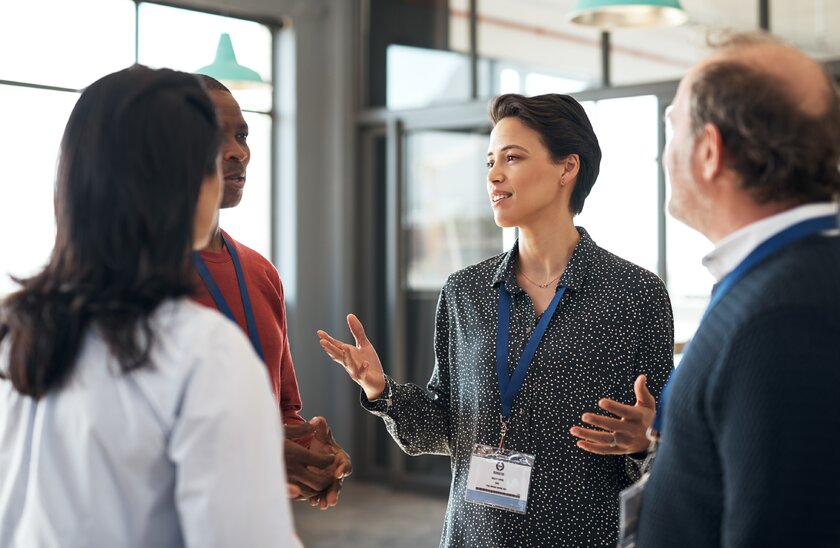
447,221
33,123
689,283
533,39
186,40
621,211
419,77
250,221
65,44
418,55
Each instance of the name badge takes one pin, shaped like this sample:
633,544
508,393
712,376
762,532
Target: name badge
499,478
630,505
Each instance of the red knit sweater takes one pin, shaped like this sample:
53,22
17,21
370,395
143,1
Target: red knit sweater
266,292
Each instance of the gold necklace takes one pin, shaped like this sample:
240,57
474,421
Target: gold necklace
541,286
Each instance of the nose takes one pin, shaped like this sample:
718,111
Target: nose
234,151
495,174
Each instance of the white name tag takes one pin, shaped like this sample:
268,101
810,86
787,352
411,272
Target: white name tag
499,478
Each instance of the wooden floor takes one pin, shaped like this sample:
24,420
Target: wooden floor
370,515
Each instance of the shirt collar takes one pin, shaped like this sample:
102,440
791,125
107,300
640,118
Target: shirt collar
733,249
573,277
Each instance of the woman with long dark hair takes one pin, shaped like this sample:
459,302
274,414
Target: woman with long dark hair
130,416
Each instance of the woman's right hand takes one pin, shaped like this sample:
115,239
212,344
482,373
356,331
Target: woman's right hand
360,361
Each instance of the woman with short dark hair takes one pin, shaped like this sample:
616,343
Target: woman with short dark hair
131,416
548,356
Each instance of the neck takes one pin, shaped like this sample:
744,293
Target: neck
735,214
543,254
215,243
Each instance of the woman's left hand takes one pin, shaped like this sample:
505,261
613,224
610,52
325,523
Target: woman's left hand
624,435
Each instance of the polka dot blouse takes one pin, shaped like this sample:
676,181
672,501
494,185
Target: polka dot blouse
613,323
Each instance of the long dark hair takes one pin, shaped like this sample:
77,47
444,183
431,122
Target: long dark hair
135,151
564,129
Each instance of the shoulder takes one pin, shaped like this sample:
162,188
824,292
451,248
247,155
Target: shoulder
806,274
476,276
191,335
255,262
610,270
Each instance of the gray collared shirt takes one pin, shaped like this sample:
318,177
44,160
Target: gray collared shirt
613,323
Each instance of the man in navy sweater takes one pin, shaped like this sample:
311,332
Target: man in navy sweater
749,422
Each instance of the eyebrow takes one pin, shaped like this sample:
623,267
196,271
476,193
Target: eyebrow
508,147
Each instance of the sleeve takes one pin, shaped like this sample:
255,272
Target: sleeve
655,357
230,487
290,404
771,403
419,420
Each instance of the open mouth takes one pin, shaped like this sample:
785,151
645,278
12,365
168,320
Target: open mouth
499,197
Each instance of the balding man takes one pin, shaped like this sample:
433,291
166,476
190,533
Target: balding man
750,421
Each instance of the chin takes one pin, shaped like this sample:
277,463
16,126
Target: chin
232,202
503,222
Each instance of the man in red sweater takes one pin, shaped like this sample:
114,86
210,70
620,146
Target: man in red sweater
245,286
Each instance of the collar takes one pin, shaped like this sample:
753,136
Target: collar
731,250
573,277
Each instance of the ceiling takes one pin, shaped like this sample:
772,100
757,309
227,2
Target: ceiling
536,33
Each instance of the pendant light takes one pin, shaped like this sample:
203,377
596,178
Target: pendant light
618,14
227,70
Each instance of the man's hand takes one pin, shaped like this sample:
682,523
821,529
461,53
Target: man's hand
311,471
324,442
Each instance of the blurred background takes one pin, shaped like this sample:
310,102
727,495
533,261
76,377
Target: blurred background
366,187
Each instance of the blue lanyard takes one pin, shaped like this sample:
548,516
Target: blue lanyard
509,385
791,234
219,299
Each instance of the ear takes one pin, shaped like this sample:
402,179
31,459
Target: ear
709,152
570,166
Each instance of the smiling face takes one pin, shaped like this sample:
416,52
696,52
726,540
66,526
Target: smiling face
235,151
524,184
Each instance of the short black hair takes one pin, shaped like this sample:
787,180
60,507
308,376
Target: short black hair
564,129
211,84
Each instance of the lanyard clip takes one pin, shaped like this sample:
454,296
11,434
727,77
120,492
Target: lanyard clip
504,422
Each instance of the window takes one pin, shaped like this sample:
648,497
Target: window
186,40
52,60
447,220
621,211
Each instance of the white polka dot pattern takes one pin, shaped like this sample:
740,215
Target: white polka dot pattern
613,323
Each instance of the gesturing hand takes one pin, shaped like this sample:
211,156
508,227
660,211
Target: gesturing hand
360,361
624,435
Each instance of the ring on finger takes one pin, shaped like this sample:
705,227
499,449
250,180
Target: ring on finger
613,442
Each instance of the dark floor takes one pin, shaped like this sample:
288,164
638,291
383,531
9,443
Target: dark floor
371,515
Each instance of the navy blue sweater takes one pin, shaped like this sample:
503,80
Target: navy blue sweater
751,433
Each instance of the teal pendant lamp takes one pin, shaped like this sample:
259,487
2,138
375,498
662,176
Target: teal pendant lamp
618,14
227,70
